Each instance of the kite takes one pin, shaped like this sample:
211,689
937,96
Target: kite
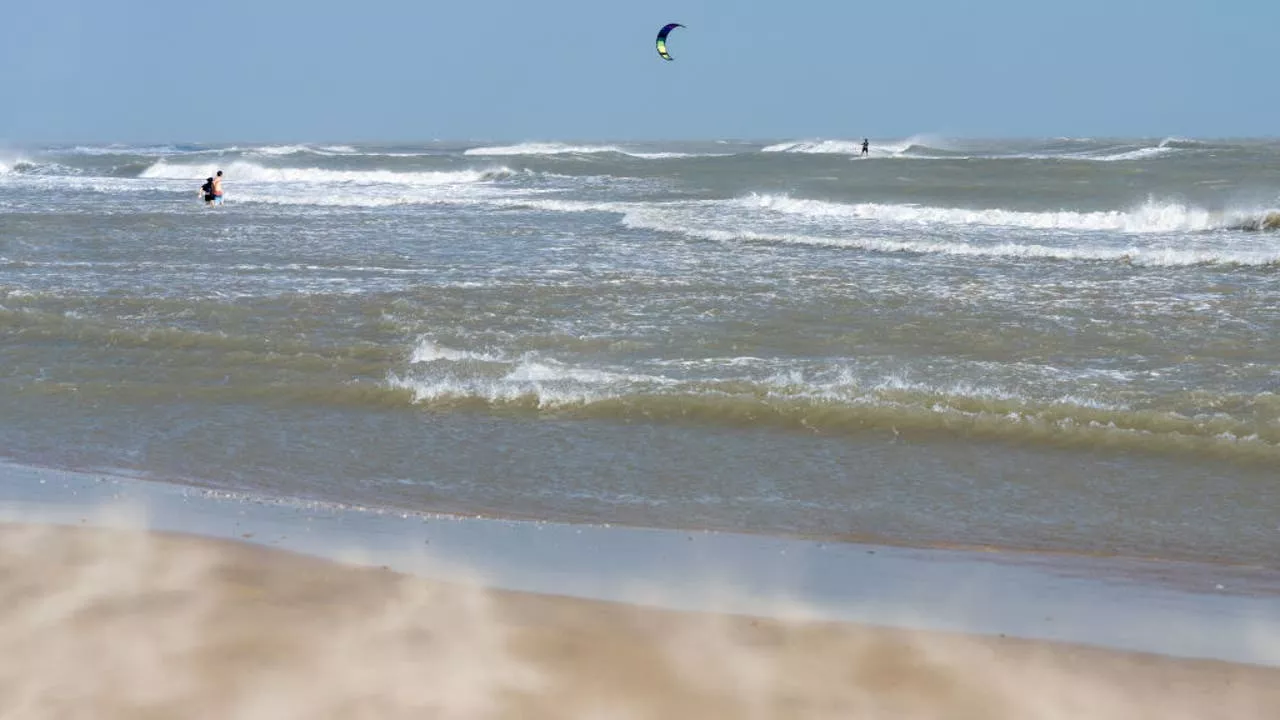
662,39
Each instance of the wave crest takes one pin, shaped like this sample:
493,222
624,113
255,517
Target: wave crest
1151,217
285,150
1267,222
252,172
564,149
765,219
462,380
916,146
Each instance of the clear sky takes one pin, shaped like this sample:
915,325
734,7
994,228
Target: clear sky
412,70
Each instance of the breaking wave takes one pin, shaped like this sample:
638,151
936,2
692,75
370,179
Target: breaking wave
427,351
1179,143
928,147
830,224
153,150
563,149
8,165
760,219
285,150
1151,217
917,146
23,166
833,147
443,378
253,172
1268,222
1138,154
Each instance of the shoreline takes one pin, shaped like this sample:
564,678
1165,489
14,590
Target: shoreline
1028,554
1224,613
127,623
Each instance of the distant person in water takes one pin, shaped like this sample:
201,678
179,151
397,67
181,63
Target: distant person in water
217,188
206,191
866,146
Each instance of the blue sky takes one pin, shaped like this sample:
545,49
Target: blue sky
410,70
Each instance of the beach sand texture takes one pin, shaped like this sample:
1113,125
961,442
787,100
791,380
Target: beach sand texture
116,623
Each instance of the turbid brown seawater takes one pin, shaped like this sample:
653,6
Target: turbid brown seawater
127,624
1061,344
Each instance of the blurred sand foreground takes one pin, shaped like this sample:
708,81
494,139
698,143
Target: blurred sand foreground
101,623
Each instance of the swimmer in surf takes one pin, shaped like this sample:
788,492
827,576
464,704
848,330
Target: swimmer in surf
206,191
217,188
865,146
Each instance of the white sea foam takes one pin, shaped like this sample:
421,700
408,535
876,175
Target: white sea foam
20,166
565,206
916,146
120,150
427,351
1112,156
544,382
931,147
252,172
1151,217
1184,143
10,161
330,200
284,150
480,194
831,147
281,150
703,221
563,149
545,149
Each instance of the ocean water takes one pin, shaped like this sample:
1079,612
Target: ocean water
1069,345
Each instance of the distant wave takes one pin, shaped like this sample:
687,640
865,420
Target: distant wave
843,147
1267,222
1183,143
165,150
1138,154
568,206
831,147
149,150
1105,153
1153,257
252,172
926,147
917,146
729,221
277,150
719,224
1151,217
7,165
282,150
23,166
562,149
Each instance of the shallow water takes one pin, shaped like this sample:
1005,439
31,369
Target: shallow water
1059,344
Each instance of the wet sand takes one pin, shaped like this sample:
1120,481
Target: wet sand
1200,611
116,623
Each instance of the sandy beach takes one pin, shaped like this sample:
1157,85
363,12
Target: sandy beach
608,361
113,623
